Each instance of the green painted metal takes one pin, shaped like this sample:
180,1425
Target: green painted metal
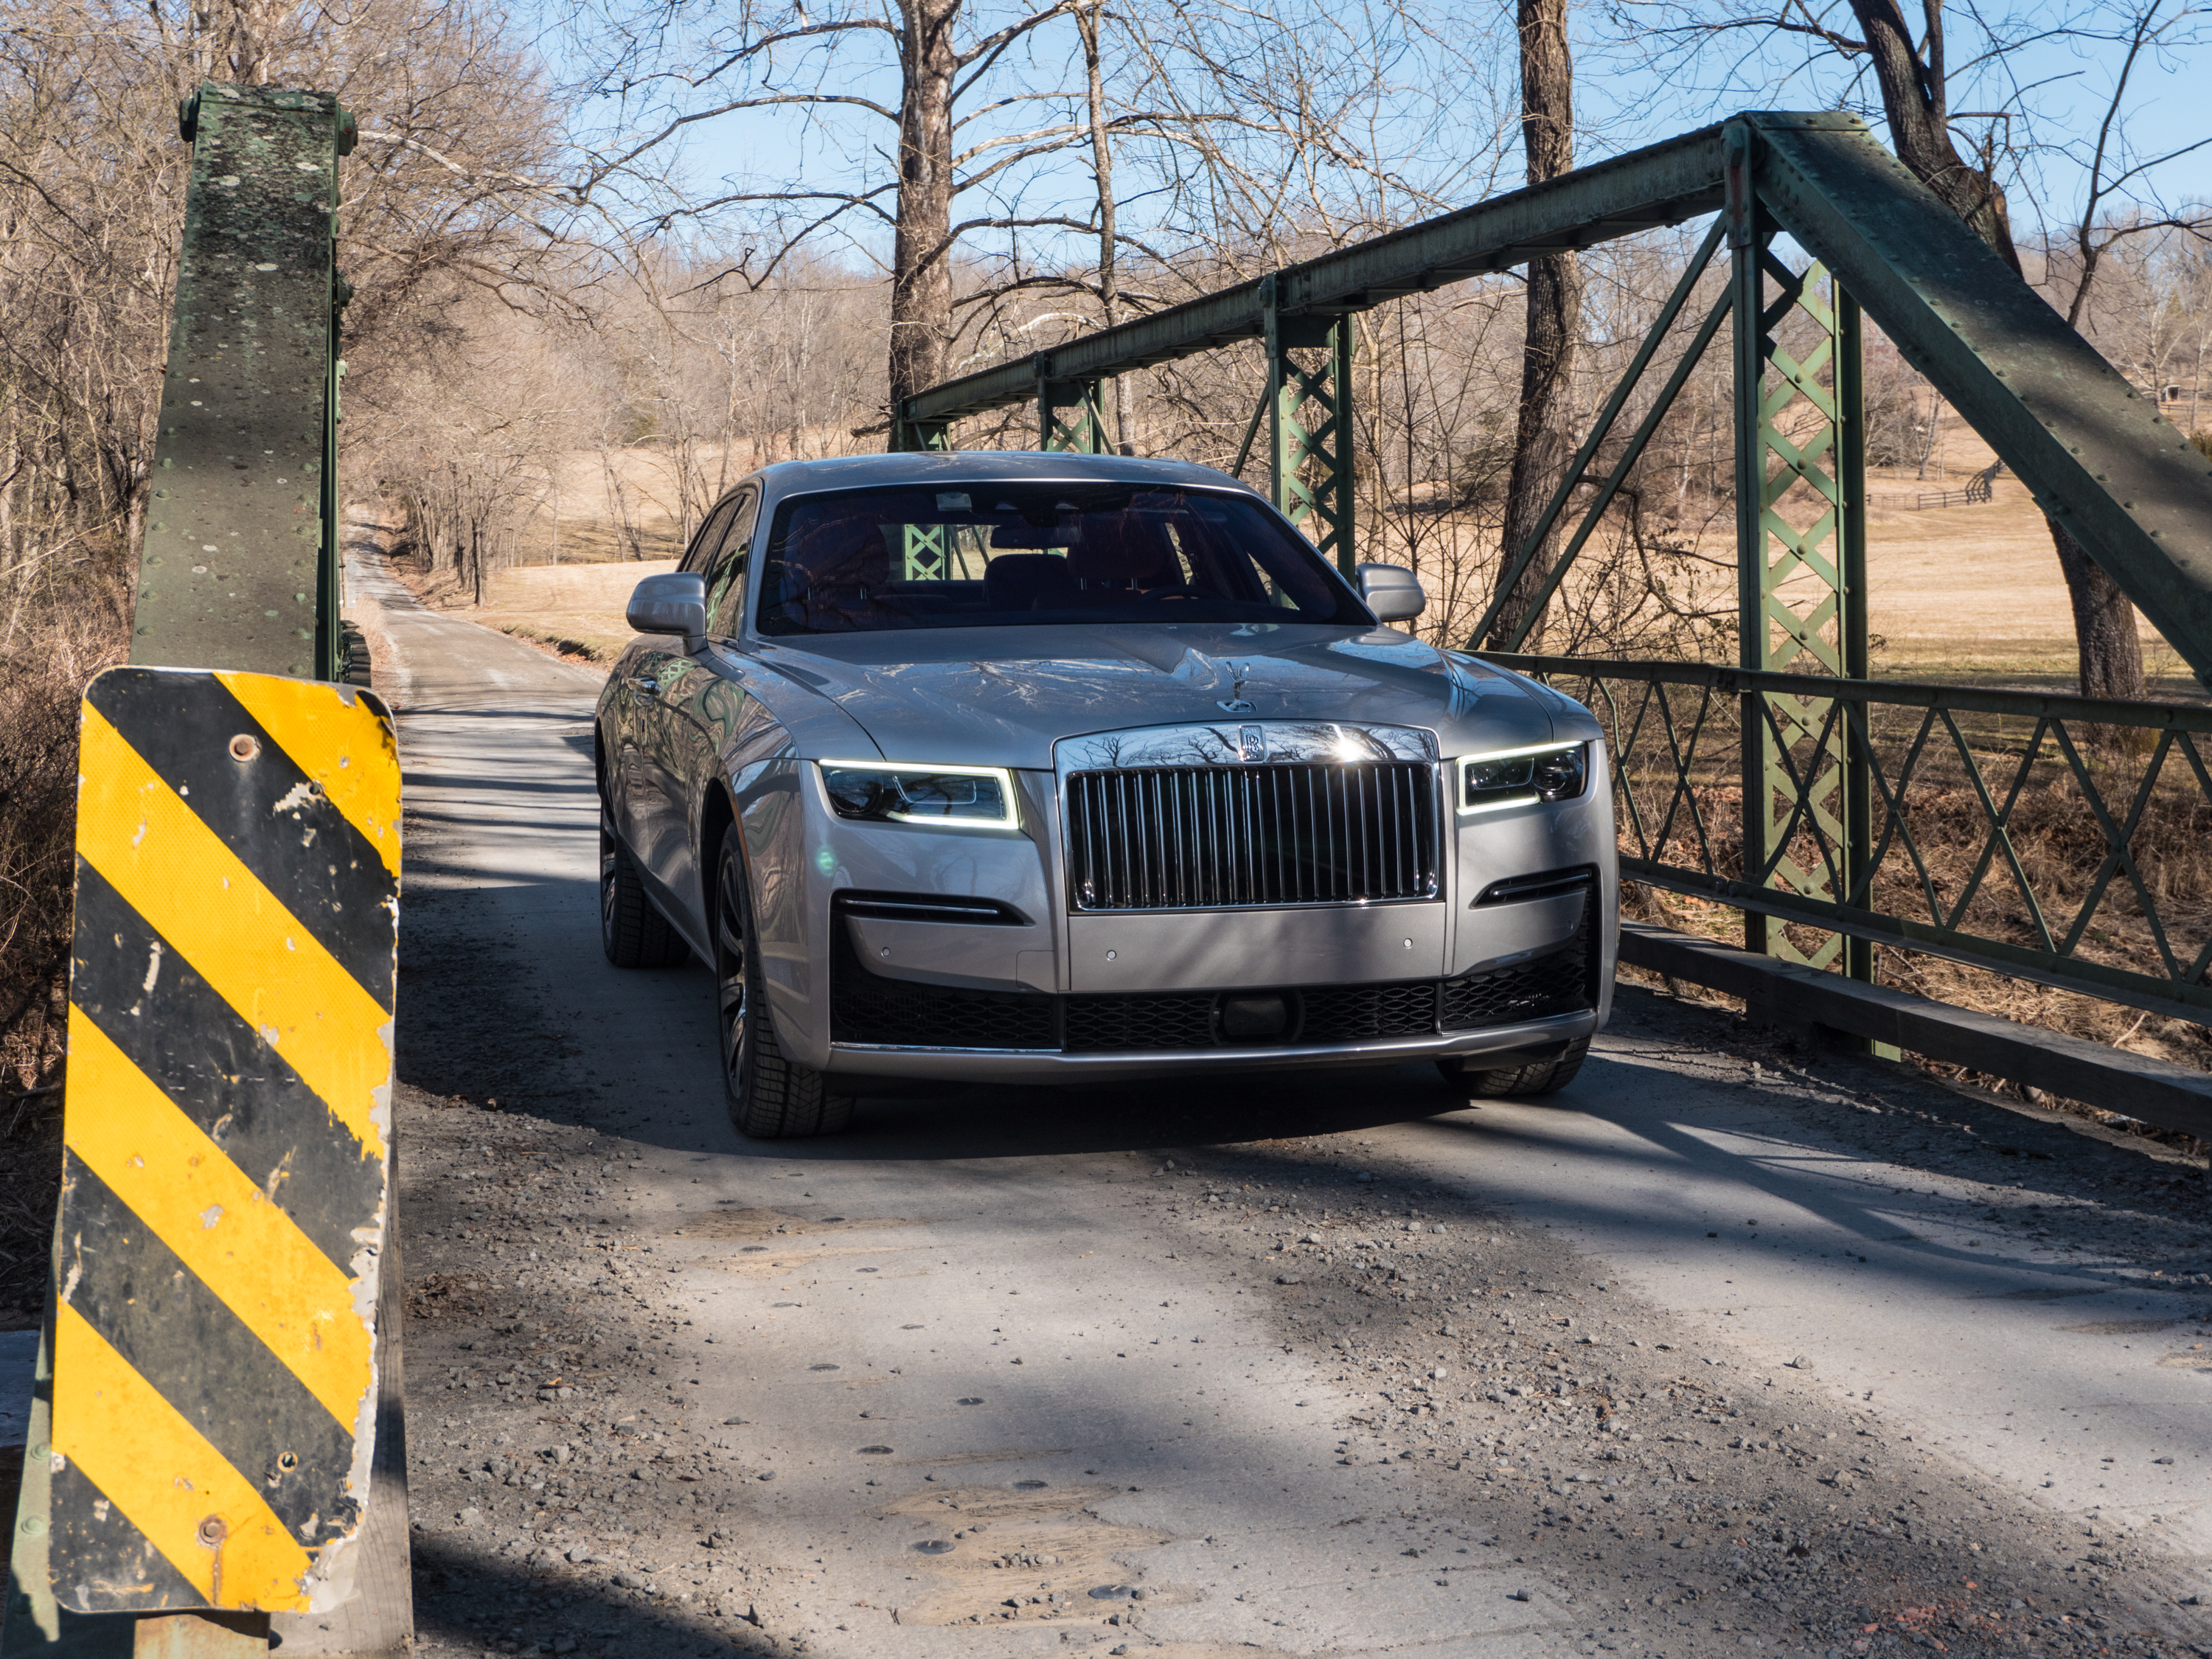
1999,748
240,567
1308,406
1799,533
918,437
1082,433
1850,550
2098,454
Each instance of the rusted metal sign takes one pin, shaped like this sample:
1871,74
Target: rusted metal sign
239,567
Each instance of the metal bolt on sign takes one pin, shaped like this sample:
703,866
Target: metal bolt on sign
204,1419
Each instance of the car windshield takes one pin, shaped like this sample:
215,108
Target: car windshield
1002,555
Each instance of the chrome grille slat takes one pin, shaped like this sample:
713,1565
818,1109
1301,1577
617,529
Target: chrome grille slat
1225,837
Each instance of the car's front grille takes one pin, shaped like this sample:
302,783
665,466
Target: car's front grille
1361,1014
1203,837
1557,983
1166,1019
867,1008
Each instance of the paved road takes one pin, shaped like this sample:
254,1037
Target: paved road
1351,1443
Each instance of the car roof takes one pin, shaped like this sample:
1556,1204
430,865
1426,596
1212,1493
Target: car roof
926,467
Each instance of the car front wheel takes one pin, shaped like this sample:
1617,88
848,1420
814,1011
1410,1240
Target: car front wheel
771,1097
1467,1073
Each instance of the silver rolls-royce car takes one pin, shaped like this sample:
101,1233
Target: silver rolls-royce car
1033,768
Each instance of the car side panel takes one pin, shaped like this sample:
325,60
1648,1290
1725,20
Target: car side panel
617,740
659,810
758,740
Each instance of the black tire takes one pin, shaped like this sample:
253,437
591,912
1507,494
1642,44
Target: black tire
353,654
771,1097
1542,1077
632,932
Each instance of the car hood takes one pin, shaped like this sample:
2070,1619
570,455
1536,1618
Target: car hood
1005,697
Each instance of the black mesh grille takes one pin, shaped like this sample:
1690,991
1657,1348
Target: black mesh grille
1097,1024
1204,837
1556,984
1360,1013
865,1007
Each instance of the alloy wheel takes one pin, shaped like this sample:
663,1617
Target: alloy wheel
610,858
730,967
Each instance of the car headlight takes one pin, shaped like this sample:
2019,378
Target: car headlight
957,797
1522,777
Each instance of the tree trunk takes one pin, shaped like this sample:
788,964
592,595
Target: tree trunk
1540,446
1913,99
1102,174
2109,651
921,251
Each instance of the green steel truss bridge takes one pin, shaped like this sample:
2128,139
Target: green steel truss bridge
1789,787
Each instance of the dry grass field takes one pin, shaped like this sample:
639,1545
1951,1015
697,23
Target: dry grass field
1973,594
575,608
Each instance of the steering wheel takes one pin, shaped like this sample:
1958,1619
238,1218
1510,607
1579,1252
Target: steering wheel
1182,591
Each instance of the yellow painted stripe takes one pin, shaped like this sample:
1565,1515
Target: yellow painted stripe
178,873
161,1471
340,745
257,1263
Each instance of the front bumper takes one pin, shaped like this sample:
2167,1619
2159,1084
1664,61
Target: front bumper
1036,1066
881,1026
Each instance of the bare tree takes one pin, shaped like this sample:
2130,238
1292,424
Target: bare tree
1915,99
1087,20
1540,442
948,76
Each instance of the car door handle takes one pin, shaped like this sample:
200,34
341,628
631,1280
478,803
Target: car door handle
651,688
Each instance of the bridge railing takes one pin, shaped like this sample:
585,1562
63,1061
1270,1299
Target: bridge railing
2065,841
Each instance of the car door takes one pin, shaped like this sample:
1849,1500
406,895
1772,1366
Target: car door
699,701
657,818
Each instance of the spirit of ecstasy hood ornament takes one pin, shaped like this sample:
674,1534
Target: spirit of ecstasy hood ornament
1234,703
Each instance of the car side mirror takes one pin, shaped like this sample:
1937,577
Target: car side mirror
673,603
1392,593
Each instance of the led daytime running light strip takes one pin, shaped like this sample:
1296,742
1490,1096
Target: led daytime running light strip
1007,820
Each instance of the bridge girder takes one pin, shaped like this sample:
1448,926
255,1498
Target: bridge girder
2099,456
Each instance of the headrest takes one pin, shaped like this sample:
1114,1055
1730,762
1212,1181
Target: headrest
1028,581
1119,549
839,544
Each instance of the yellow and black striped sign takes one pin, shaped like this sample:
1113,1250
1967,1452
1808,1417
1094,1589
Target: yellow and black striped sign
228,1123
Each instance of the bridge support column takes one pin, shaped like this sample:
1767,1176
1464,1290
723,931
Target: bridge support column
1308,405
1082,427
253,1395
1801,588
909,436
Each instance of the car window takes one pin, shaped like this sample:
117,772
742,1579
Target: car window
1000,555
709,537
726,569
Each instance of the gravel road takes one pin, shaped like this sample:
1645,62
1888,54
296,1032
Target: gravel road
1728,1349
